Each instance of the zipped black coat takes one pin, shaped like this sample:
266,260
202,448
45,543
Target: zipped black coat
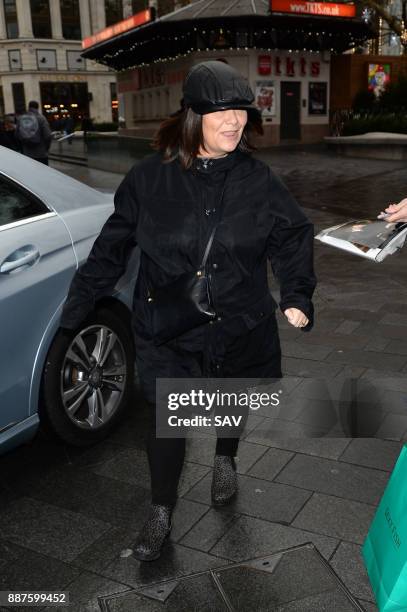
167,212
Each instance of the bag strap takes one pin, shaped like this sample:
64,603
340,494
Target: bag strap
212,234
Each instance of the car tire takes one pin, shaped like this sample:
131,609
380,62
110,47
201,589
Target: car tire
88,379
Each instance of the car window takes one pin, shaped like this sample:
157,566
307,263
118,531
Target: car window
17,204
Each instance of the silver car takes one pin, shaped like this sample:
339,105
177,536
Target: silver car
78,384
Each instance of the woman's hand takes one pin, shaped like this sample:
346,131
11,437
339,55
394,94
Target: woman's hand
296,317
397,212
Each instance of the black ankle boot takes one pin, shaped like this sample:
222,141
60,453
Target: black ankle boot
224,480
153,533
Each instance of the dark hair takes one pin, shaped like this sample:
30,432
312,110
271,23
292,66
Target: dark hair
181,135
33,104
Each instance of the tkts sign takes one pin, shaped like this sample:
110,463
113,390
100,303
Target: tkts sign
287,66
321,9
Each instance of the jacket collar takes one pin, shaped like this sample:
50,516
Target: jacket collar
208,165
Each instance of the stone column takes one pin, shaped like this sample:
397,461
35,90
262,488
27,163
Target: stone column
127,9
3,29
25,28
98,15
86,25
56,21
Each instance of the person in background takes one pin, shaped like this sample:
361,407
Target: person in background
69,126
8,134
34,134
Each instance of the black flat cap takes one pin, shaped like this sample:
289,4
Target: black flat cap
214,85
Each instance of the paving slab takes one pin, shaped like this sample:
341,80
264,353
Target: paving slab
331,448
210,528
348,564
258,498
85,591
368,359
372,452
335,517
299,351
202,451
250,537
103,498
335,478
175,561
49,530
270,464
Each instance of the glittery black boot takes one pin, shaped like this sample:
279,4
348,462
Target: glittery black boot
153,533
224,480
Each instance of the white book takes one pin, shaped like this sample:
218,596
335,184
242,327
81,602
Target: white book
370,238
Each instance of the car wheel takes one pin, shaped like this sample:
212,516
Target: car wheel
88,379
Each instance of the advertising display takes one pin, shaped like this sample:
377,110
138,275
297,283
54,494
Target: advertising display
266,98
378,77
317,98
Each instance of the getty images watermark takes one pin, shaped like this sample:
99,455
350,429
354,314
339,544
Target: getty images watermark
291,407
220,404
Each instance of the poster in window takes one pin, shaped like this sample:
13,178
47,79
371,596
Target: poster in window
378,78
266,98
317,98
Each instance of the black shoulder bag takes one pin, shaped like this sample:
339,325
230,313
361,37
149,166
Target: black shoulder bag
184,303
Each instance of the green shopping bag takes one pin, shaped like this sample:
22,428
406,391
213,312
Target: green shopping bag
385,548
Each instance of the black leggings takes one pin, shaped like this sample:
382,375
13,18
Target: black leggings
166,458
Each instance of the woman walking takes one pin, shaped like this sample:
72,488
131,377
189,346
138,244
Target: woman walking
202,177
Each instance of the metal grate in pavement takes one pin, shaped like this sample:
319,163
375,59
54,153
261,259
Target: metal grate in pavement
295,580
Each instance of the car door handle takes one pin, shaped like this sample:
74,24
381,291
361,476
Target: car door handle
24,256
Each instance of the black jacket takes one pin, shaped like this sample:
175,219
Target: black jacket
167,211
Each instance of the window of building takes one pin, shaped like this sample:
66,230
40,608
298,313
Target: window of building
114,11
114,102
18,97
14,59
46,59
75,61
10,14
139,5
71,19
41,19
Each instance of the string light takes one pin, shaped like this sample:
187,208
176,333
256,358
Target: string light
189,43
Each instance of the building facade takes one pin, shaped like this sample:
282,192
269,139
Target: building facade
40,57
283,48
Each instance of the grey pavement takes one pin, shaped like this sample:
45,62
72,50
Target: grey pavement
68,516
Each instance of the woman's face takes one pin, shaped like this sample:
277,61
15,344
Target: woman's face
222,131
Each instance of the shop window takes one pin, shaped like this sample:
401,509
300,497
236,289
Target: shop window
60,100
113,11
75,61
317,98
41,19
46,59
14,59
114,102
10,14
18,97
71,20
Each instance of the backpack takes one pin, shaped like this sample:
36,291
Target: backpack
29,131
